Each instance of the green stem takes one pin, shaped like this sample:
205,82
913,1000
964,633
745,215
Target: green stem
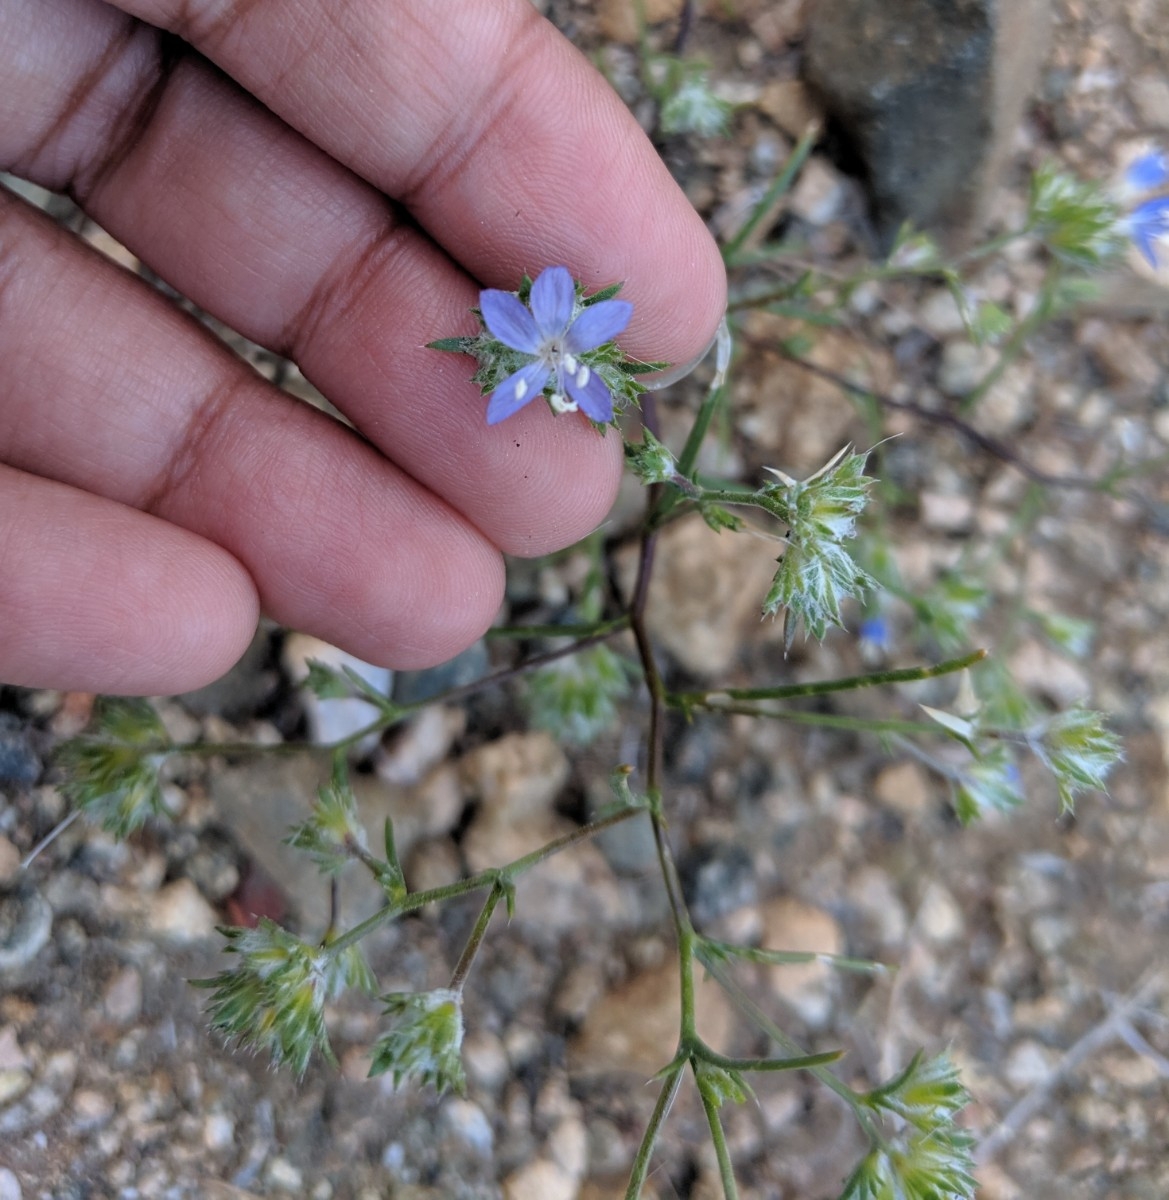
580,630
488,878
781,183
875,678
800,1062
1014,345
641,1161
718,1137
732,987
463,966
824,720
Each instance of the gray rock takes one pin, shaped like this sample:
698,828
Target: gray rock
25,923
927,95
19,763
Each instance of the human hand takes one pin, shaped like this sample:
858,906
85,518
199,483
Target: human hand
155,493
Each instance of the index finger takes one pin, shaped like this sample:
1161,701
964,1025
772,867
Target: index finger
506,145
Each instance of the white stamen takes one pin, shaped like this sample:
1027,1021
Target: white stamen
569,363
561,403
521,389
583,376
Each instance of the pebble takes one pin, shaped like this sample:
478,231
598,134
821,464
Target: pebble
569,1147
809,989
420,745
485,1060
9,1185
9,864
939,916
26,920
904,787
818,197
520,774
180,914
466,1121
122,1000
617,19
947,512
540,1180
91,1109
1028,1064
14,1082
334,719
634,1028
1150,94
19,764
218,1132
283,1175
963,367
706,592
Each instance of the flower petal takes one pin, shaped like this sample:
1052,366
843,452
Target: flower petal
592,396
553,299
509,321
1148,172
600,322
1148,223
516,390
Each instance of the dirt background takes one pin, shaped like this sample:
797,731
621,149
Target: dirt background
1032,945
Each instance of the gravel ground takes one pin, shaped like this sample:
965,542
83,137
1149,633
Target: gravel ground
1031,945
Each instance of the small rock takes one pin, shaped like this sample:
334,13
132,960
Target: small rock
819,194
963,367
1029,1063
1041,669
717,878
618,18
412,687
939,917
283,1175
1150,94
790,105
334,719
9,1185
19,764
947,512
180,914
14,1082
12,1057
485,1060
569,1147
466,1122
519,775
706,592
904,787
9,864
540,1180
91,1110
218,1132
421,745
123,996
635,1027
940,314
26,920
808,988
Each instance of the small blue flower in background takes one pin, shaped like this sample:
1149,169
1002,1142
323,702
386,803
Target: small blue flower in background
875,635
1148,172
555,340
1148,222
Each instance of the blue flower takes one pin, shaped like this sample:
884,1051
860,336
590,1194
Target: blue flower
875,634
1147,224
1149,172
555,339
